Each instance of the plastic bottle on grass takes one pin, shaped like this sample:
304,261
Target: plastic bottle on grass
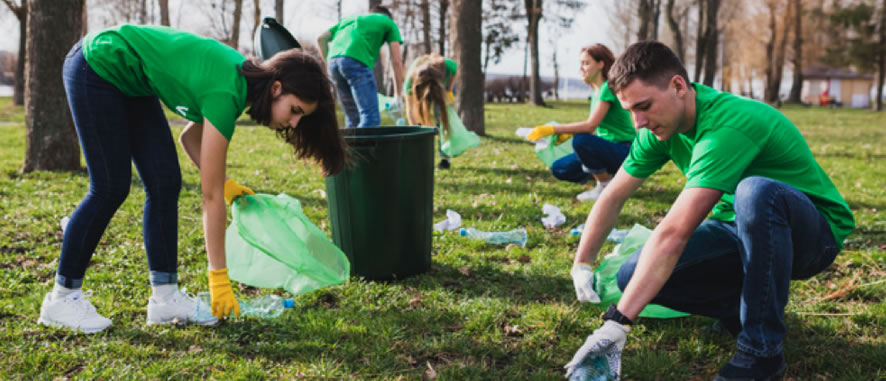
265,307
517,236
593,368
616,235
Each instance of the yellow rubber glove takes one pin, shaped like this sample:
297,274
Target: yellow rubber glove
223,301
562,138
234,190
450,97
540,131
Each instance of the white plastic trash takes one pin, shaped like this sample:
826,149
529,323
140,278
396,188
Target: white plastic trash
553,217
452,221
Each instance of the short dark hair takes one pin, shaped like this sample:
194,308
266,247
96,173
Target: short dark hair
316,136
383,10
649,61
601,53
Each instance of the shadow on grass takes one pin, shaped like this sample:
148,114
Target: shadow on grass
509,140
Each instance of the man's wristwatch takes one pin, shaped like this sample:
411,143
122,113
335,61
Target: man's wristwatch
613,314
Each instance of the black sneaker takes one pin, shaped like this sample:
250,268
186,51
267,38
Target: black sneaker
444,164
746,367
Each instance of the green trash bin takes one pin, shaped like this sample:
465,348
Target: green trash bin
381,209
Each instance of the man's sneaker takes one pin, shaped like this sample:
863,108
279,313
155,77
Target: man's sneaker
746,367
73,311
444,164
591,195
179,308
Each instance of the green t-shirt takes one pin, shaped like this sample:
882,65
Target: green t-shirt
194,76
451,69
735,138
360,37
616,126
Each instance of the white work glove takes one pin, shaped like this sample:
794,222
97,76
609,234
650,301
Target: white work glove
583,280
608,340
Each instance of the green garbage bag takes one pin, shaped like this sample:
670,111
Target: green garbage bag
459,139
606,285
549,152
272,244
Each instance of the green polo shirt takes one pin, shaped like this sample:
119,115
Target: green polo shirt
194,76
735,138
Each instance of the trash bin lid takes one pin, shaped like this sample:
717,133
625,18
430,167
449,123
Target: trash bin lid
386,133
272,38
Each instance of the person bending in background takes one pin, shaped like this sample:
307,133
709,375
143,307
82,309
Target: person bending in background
428,90
351,48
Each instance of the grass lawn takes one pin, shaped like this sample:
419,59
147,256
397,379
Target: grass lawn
482,312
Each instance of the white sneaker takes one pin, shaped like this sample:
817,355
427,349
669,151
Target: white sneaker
591,195
179,308
73,311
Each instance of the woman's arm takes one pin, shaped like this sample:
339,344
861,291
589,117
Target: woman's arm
190,141
213,153
588,126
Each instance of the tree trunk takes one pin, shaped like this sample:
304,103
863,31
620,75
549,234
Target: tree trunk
797,85
655,16
712,37
235,24
51,143
675,29
256,16
18,94
878,104
373,3
426,24
278,11
700,41
533,11
778,61
556,73
21,13
164,12
648,10
770,50
645,12
444,10
84,20
143,12
465,40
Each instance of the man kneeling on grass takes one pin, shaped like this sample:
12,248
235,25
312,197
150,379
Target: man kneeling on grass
756,211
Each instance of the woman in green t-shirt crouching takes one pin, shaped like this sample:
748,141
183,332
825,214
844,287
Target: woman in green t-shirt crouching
428,90
601,142
115,80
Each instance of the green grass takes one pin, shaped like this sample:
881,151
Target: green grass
482,312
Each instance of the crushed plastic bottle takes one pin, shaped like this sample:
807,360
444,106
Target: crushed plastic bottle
265,307
616,235
517,236
593,368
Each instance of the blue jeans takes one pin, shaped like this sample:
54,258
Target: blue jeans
744,269
115,129
356,90
593,154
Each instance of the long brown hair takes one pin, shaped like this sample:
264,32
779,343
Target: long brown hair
601,53
427,91
316,136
